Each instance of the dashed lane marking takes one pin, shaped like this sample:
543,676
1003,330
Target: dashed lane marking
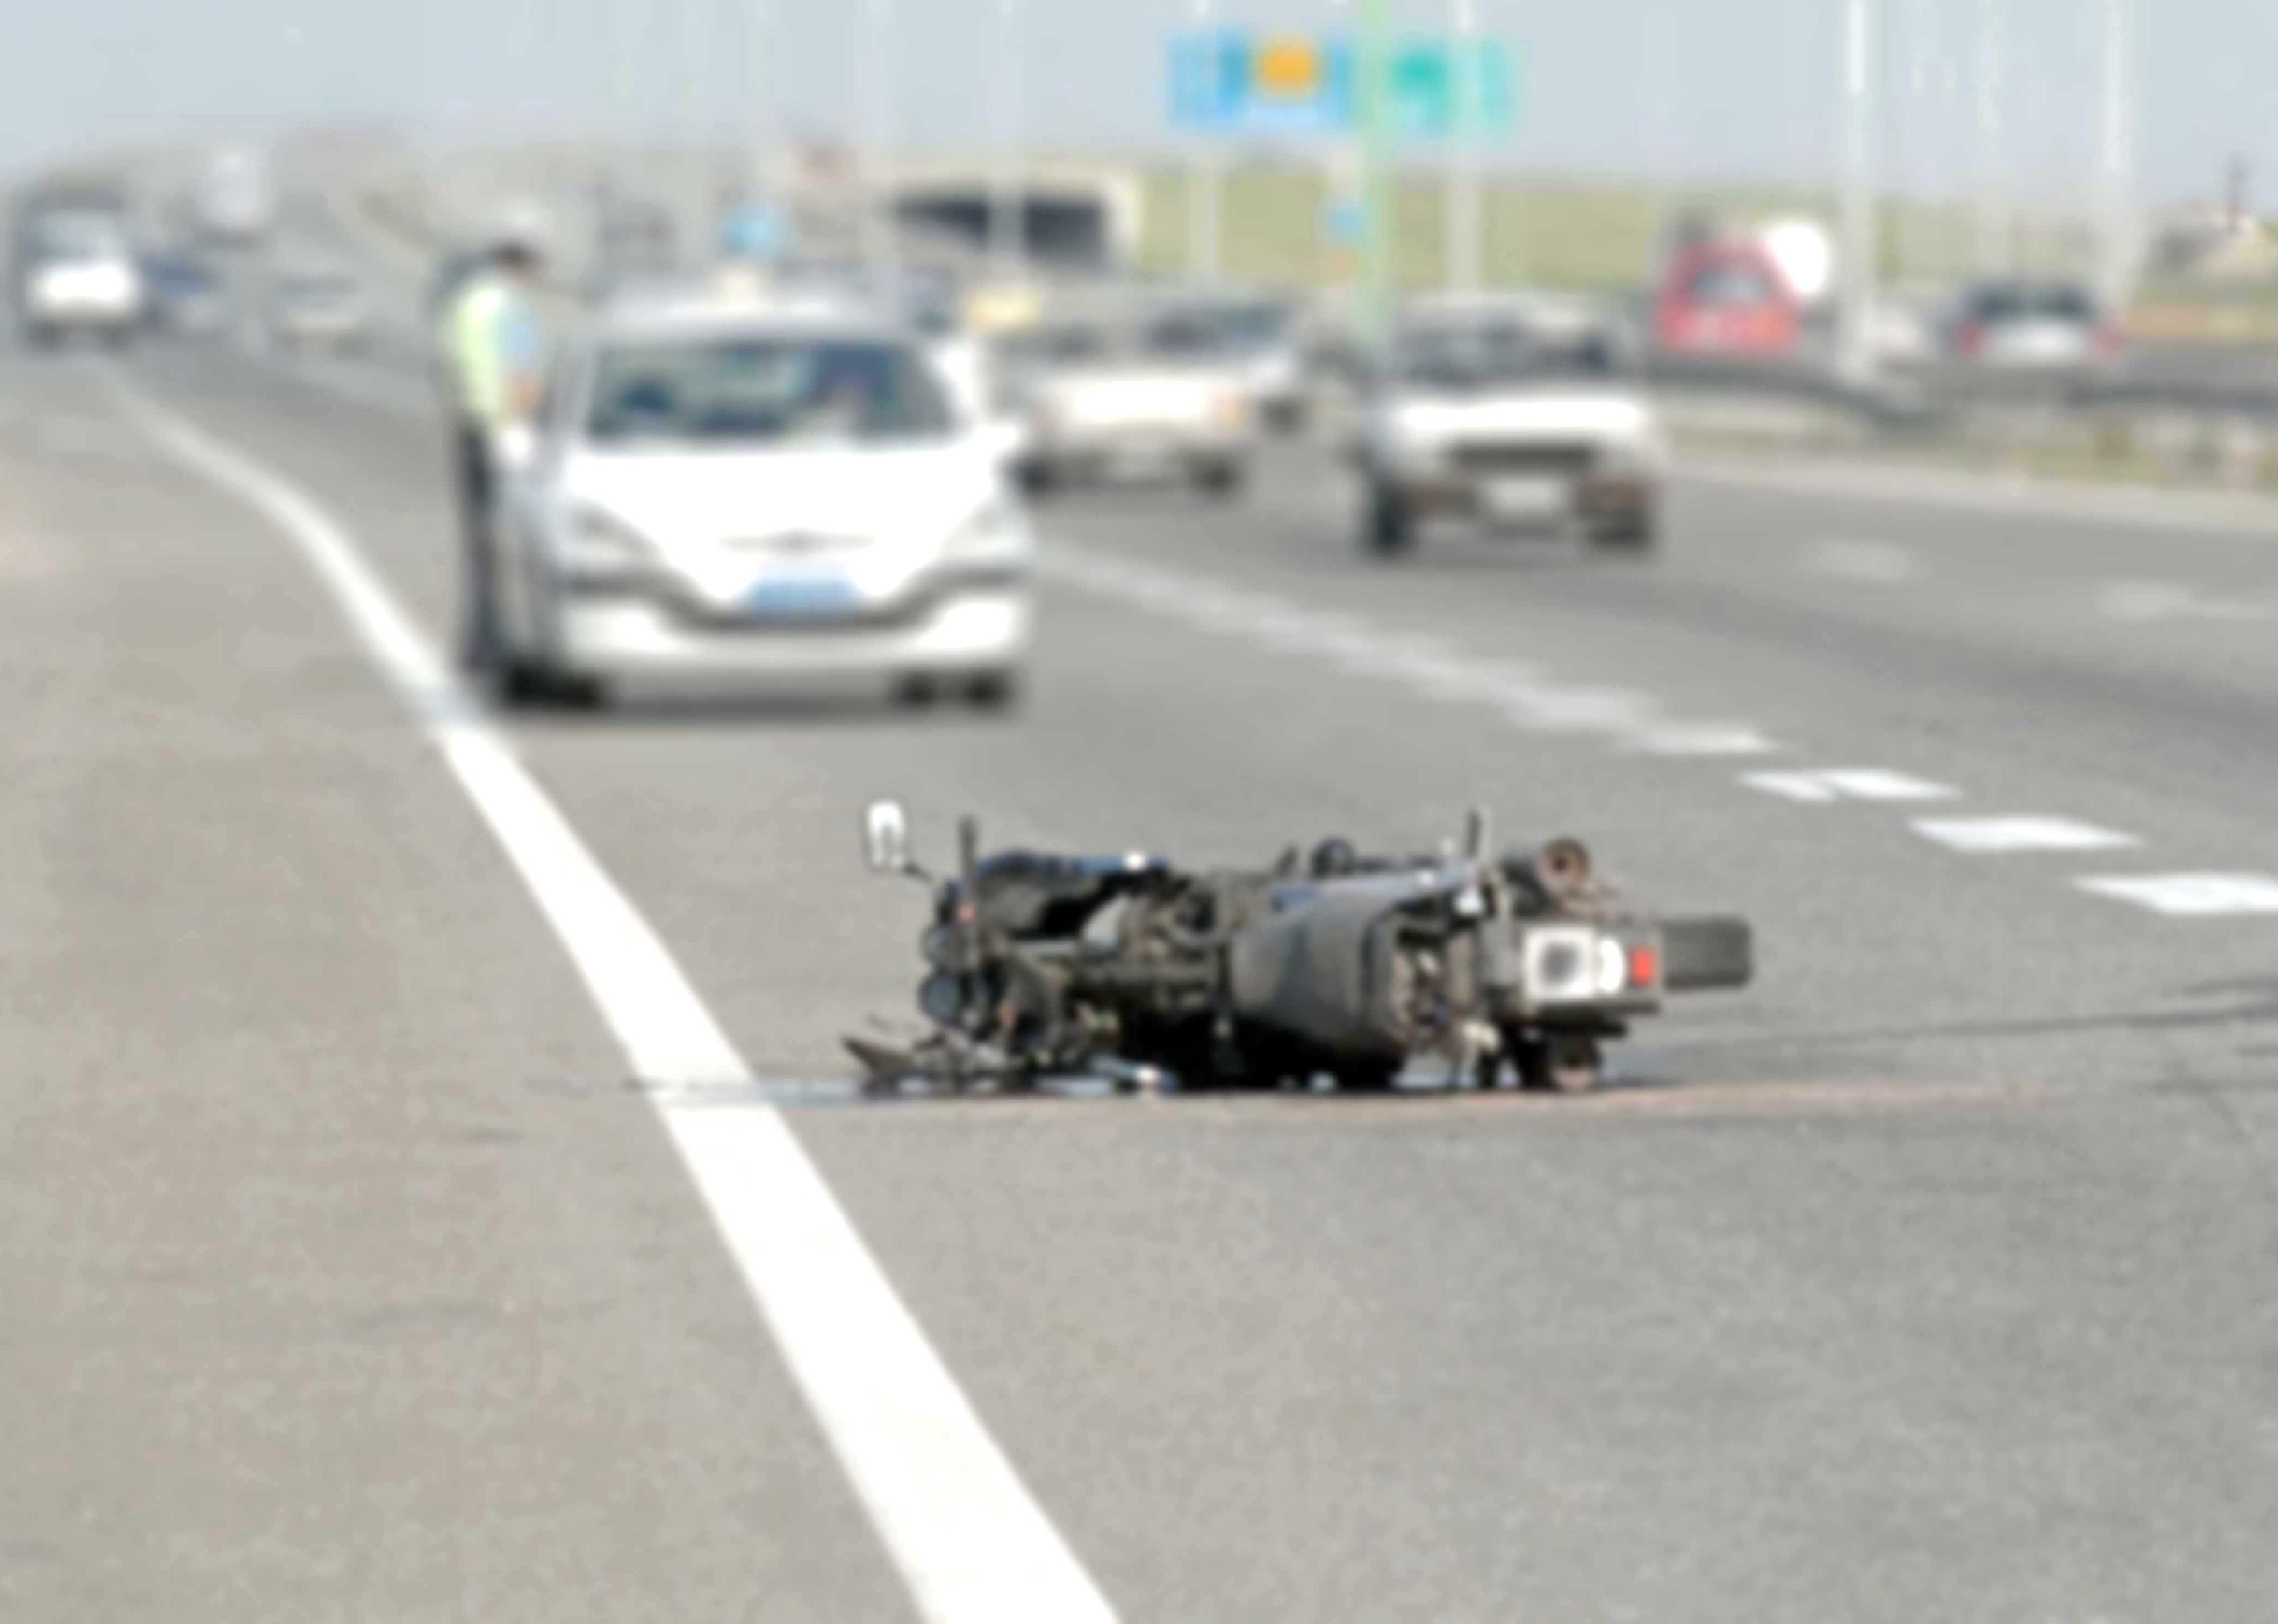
2000,836
971,1544
2190,896
1823,787
1707,741
2147,602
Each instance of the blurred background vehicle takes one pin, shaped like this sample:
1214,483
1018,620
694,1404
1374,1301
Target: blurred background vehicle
76,271
188,297
1727,295
1142,386
1513,413
319,306
2039,325
771,489
236,197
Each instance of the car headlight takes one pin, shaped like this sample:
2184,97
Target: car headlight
599,546
995,531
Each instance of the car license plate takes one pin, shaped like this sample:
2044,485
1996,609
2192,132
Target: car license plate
1524,498
805,595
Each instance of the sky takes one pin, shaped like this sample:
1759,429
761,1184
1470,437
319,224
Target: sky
1675,89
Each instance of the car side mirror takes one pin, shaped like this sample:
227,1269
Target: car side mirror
516,445
886,838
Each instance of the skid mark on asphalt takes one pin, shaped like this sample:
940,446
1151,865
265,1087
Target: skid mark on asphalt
1978,836
970,1543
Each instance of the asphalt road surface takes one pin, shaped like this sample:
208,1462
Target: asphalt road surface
357,1266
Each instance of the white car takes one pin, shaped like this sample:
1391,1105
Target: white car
80,274
765,492
1100,402
1511,420
320,309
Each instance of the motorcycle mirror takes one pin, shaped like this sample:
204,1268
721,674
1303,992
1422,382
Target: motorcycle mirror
886,838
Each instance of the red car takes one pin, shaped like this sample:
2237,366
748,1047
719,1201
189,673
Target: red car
1726,297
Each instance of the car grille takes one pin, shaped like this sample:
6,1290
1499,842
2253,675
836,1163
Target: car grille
1531,459
793,544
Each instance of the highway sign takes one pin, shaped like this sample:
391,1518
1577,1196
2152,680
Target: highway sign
1229,82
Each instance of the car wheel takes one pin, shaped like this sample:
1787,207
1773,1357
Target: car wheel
994,692
915,692
1391,523
1632,532
525,684
1222,479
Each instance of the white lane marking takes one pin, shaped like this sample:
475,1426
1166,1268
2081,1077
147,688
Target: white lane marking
1994,835
1873,564
1825,785
2190,896
969,1540
1705,741
1527,696
2146,602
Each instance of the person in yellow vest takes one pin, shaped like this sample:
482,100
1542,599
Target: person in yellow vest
494,345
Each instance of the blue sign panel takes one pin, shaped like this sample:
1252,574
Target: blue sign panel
1230,82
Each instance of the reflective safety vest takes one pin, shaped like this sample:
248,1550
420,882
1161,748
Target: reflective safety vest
491,339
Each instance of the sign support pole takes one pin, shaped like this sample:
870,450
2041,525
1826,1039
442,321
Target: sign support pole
1373,76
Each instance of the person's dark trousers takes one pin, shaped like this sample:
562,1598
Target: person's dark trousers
479,647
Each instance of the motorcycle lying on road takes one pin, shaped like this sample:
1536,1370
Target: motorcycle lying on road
1362,969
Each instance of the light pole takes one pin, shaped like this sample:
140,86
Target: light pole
2119,144
1465,153
1202,183
762,131
1992,245
1007,226
1859,234
873,101
1373,76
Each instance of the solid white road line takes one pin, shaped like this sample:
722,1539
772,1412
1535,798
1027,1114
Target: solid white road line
2190,896
969,1539
1824,786
1995,836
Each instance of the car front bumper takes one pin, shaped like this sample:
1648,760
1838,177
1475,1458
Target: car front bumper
1593,495
983,626
1135,450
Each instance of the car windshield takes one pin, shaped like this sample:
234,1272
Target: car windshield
79,237
2019,302
1214,330
1491,355
1730,283
766,391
